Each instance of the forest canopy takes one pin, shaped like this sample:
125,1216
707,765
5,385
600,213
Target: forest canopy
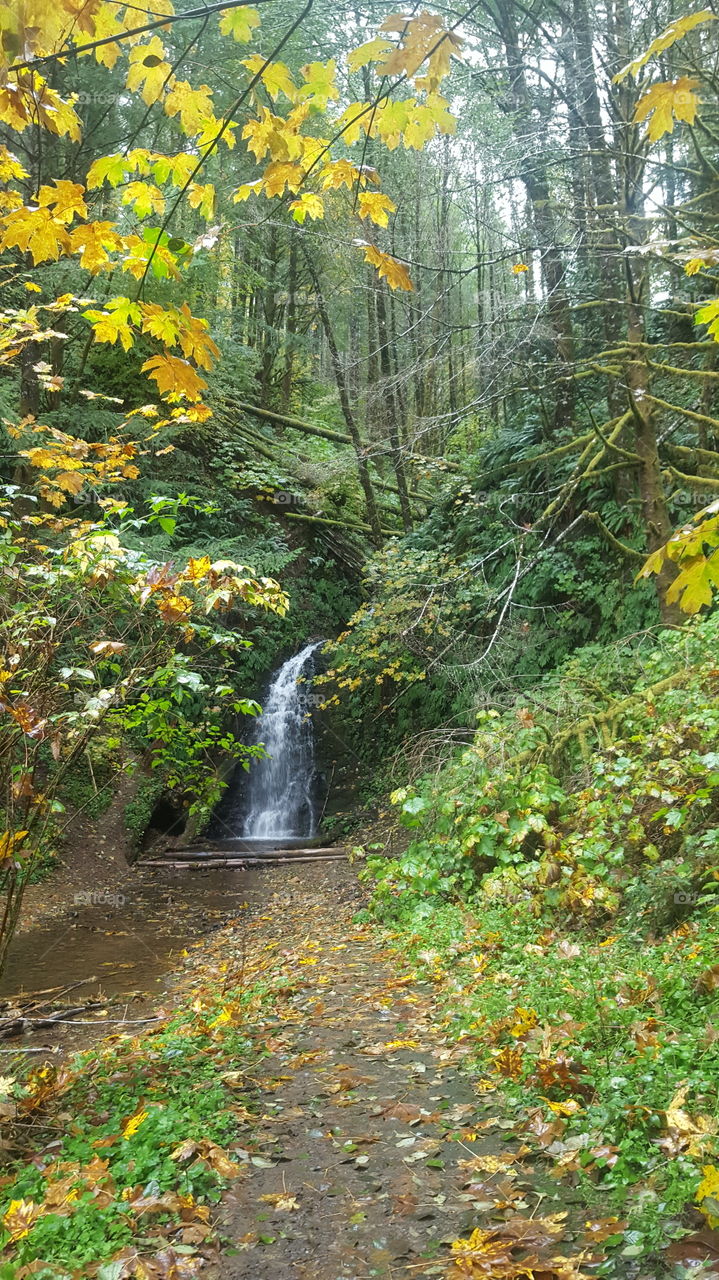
392,335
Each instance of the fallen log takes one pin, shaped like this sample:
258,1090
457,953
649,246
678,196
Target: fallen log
16,1026
32,998
219,864
229,851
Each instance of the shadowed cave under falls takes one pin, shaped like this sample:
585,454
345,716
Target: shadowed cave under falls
277,804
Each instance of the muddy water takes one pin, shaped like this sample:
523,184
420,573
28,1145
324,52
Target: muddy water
130,937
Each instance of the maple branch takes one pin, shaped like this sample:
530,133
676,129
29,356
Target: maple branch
225,123
203,13
372,106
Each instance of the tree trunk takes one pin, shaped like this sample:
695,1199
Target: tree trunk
391,412
353,429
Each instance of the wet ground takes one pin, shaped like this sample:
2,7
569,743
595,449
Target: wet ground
374,1150
118,947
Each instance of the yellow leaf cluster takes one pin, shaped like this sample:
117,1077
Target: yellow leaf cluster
29,100
421,38
692,549
68,464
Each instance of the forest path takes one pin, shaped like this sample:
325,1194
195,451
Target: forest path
366,1117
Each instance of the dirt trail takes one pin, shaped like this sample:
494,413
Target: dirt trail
366,1117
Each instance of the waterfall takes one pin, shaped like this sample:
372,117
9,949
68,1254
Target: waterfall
279,793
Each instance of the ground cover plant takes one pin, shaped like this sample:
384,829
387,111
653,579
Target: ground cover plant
561,891
153,1126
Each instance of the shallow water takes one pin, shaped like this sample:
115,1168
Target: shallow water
128,939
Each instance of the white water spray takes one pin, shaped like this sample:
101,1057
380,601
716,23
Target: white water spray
279,794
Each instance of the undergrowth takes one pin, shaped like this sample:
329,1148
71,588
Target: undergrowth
561,892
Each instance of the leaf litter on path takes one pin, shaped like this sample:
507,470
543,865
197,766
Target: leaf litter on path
384,1161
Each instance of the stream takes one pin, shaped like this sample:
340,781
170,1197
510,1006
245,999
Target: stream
130,939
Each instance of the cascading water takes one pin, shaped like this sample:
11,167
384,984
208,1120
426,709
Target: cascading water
280,803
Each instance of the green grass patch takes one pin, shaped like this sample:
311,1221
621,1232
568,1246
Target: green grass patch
132,1144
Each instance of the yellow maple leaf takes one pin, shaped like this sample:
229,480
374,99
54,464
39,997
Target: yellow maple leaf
665,101
225,1015
65,199
174,607
246,190
175,378
355,119
19,1217
132,1125
568,1108
275,76
376,206
388,268
92,242
368,52
425,120
676,29
279,175
36,232
10,167
239,23
54,113
307,204
197,568
159,323
115,322
148,70
107,22
193,106
195,339
319,87
272,135
177,169
282,1201
420,38
146,198
70,481
110,169
342,173
214,131
201,196
138,255
391,120
708,1194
